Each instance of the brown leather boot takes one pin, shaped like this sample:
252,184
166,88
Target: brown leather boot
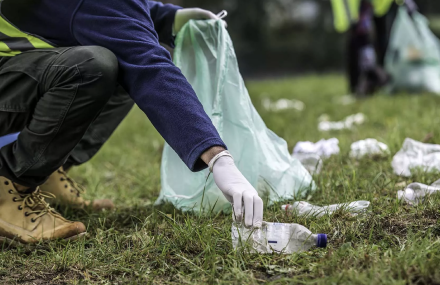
25,218
68,193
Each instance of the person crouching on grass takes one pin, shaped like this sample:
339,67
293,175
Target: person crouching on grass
70,71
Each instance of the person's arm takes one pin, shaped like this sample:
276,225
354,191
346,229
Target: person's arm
163,16
162,92
148,74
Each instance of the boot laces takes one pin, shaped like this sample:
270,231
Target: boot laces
78,187
35,201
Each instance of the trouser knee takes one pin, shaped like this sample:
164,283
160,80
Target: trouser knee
97,67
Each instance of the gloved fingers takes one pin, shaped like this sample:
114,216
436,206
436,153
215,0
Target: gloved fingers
206,15
258,212
248,199
237,206
184,15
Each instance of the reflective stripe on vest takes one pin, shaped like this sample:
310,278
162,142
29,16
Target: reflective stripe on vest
346,12
381,7
13,41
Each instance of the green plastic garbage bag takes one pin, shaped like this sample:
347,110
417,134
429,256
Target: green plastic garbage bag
413,55
205,54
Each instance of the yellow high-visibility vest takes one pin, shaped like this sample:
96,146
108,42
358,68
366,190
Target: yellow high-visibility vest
13,41
346,12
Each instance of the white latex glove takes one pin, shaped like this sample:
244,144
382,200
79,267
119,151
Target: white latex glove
184,15
238,191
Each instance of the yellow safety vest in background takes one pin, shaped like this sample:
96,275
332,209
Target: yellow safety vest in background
346,12
13,41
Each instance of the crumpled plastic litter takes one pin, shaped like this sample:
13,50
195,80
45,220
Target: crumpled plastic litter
415,193
303,208
311,154
283,104
415,154
370,147
347,123
324,148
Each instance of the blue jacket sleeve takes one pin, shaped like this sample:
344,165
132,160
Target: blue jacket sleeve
148,74
163,16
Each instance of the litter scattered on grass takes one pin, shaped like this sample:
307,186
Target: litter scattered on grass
368,147
282,104
415,154
324,148
415,193
347,123
310,154
276,238
303,208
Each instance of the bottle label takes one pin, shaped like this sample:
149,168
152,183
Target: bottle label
278,235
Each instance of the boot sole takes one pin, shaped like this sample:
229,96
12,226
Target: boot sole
15,243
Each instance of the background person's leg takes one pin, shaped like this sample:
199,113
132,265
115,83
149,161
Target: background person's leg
102,128
383,26
353,70
359,38
52,97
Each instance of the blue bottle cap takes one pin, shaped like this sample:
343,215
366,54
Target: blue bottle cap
322,240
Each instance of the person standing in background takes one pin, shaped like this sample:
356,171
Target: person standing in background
368,24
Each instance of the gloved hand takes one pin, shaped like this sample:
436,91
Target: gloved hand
184,15
238,190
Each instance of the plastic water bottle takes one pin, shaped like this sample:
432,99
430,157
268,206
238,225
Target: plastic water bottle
306,209
276,237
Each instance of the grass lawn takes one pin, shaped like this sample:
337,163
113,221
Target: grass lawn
139,243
